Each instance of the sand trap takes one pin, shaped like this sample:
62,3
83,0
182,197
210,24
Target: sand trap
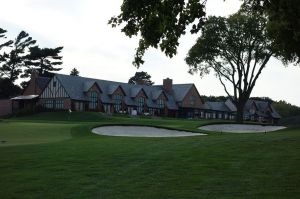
241,128
141,131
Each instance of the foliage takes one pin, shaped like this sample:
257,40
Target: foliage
160,23
8,89
43,60
286,109
45,155
3,55
283,25
236,49
141,78
214,98
74,72
15,59
2,36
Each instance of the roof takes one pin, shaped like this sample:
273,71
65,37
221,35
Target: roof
218,106
76,85
42,82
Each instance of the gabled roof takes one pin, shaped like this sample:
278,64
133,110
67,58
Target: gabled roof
42,82
88,84
76,85
180,91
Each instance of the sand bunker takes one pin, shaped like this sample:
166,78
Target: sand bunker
241,128
141,131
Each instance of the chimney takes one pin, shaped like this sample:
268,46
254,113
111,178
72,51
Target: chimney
167,84
34,76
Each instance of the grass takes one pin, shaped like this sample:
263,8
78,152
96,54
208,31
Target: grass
49,155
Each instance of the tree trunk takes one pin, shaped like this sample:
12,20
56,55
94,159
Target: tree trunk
240,111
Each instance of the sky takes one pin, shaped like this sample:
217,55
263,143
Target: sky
99,51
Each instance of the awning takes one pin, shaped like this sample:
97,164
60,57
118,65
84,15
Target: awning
24,97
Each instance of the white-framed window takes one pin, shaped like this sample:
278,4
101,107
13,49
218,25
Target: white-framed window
141,103
93,100
59,104
161,103
117,100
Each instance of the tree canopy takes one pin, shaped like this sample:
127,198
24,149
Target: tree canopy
160,23
141,78
236,49
15,60
283,25
43,60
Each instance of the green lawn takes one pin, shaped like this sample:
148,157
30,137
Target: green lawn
51,155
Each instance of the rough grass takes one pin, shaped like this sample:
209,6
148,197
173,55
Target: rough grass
78,164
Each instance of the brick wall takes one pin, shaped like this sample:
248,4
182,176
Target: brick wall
5,107
186,103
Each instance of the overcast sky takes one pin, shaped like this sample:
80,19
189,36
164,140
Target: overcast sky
102,52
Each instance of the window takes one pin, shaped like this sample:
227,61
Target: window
117,100
192,100
93,100
59,104
48,104
141,102
54,83
161,103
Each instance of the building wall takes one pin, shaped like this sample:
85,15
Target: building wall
186,100
5,107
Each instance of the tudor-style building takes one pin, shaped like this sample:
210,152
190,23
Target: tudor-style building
87,94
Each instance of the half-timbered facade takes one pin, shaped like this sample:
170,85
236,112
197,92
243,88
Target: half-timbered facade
86,94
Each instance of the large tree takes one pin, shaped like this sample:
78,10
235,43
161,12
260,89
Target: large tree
160,23
15,59
141,78
283,25
43,60
236,49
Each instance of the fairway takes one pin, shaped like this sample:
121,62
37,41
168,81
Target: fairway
54,155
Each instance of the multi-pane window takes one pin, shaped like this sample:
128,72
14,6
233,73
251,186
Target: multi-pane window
93,100
59,104
161,103
141,103
117,100
192,100
48,104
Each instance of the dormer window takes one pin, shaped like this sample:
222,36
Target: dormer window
141,103
192,100
161,103
93,100
117,100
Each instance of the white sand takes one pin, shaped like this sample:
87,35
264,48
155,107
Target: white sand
241,128
141,131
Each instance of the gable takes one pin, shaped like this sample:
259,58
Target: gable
141,93
54,89
119,91
192,95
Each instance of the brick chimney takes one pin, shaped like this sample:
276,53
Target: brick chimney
167,84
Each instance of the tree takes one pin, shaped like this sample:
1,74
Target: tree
43,60
141,78
236,49
8,89
6,43
3,55
74,72
283,25
14,62
160,23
